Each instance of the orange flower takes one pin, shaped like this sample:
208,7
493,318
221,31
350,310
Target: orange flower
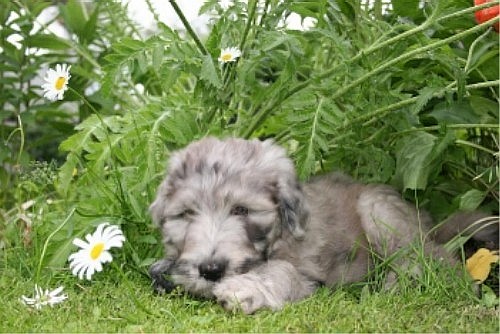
479,264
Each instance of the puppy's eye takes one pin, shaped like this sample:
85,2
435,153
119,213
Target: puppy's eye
183,215
239,210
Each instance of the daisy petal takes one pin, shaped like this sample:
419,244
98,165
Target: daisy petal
90,272
80,243
106,257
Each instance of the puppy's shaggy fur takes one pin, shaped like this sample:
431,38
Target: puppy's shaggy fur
238,227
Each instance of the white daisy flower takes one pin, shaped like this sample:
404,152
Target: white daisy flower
229,54
56,82
94,252
43,298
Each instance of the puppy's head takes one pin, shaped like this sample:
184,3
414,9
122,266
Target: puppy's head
222,206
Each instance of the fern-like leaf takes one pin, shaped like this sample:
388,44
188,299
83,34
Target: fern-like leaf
312,129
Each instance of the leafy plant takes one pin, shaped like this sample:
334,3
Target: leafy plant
407,96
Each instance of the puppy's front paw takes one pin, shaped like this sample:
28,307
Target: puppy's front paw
157,272
239,293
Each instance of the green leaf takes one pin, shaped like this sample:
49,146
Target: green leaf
142,62
407,8
209,72
485,108
128,56
66,173
309,8
311,129
482,53
489,297
413,164
158,52
425,95
60,257
213,42
89,31
421,156
472,199
454,113
75,17
51,42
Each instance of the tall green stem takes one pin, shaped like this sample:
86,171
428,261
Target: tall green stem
188,27
369,117
21,145
46,244
251,15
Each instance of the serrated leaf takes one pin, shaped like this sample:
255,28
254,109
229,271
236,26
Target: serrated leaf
157,59
308,8
295,117
407,8
209,72
414,160
128,45
213,41
142,62
78,141
425,95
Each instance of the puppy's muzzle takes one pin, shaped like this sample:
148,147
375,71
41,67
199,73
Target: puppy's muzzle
212,270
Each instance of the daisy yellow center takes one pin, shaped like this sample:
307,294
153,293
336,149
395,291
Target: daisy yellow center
226,57
96,251
60,83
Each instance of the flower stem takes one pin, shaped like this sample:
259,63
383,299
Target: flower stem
449,126
251,15
45,245
19,129
188,27
370,117
467,10
153,11
472,48
229,69
476,146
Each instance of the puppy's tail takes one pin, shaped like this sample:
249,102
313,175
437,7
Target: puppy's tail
475,230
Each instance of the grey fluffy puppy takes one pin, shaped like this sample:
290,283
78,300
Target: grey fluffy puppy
238,226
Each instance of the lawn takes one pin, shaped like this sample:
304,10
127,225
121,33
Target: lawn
112,304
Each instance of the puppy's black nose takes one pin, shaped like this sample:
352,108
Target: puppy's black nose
212,271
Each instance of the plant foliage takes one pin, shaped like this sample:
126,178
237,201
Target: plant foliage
406,96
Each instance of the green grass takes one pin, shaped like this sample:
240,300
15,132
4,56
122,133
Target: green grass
108,304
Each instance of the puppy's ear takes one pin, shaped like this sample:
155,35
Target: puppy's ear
293,208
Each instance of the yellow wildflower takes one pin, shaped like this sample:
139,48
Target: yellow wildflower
479,264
